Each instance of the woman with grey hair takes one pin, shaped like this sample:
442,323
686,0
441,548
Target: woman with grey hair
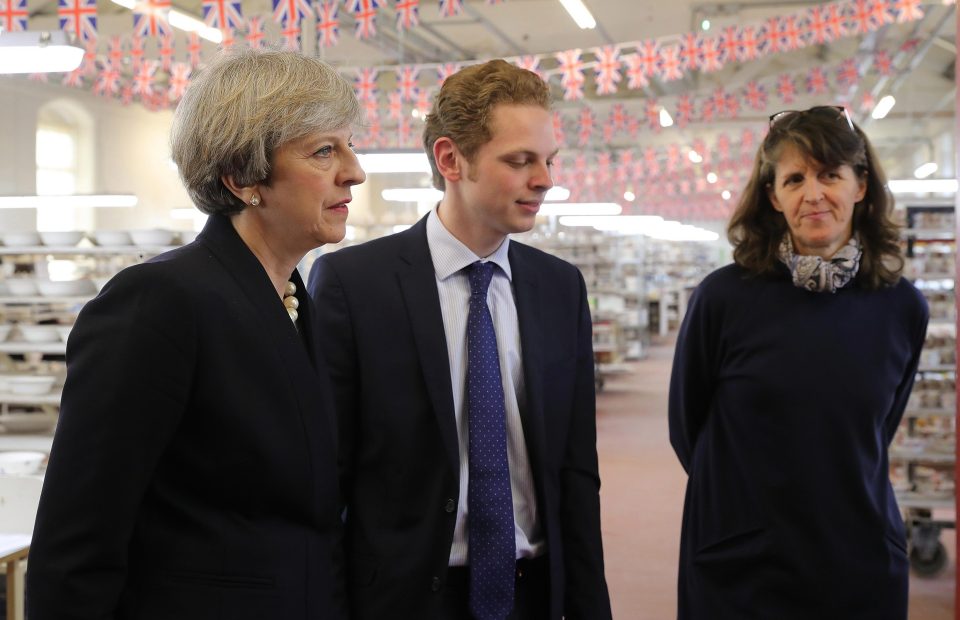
193,471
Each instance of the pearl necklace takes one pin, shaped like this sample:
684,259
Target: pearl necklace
290,301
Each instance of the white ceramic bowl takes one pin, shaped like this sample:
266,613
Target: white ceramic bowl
38,422
20,239
112,237
5,331
151,237
32,385
21,287
62,238
64,331
66,288
21,463
39,333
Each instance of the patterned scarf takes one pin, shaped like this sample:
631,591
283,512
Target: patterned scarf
816,274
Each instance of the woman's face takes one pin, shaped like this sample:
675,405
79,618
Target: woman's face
309,187
817,202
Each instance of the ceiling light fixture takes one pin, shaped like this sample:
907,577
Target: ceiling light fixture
68,201
712,177
922,186
580,208
695,157
411,194
665,119
580,13
925,170
394,162
557,193
652,226
883,107
183,21
629,196
33,51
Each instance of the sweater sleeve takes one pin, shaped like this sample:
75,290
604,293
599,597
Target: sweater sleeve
910,374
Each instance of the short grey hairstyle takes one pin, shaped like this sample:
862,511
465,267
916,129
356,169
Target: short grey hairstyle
241,108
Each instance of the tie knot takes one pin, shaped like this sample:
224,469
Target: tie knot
480,275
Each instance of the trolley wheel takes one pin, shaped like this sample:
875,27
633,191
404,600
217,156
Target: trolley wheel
927,563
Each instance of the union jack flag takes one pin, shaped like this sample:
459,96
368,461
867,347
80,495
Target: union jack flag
881,12
883,63
670,65
691,50
371,108
618,116
450,8
755,95
136,50
78,17
707,110
793,33
723,146
684,110
89,62
633,126
222,14
193,49
652,112
365,84
255,34
747,43
862,17
291,35
404,132
328,23
407,82
166,51
143,79
825,23
624,165
150,18
229,38
732,106
908,10
559,133
126,94
13,15
446,70
285,11
424,101
179,80
115,53
365,13
816,81
408,14
108,82
648,53
74,78
848,74
571,74
607,69
636,76
868,102
530,63
785,88
587,122
651,160
710,59
771,36
728,44
603,168
395,105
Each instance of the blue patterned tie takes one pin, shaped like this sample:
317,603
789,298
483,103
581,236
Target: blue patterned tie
491,542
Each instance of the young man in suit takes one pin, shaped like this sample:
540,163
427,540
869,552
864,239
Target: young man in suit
462,366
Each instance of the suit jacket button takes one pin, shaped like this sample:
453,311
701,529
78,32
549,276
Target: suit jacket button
450,505
435,586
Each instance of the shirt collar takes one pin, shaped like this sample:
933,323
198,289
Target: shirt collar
450,255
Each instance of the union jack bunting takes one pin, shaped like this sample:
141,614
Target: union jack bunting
785,88
691,50
108,82
825,23
636,75
587,122
78,17
229,38
747,143
450,8
652,112
723,146
731,106
424,101
607,69
618,117
408,13
848,74
571,74
179,80
603,168
291,35
771,36
446,70
365,84
254,34
670,64
559,133
862,17
126,94
395,105
89,63
407,82
13,15
624,165
747,43
792,34
648,57
530,63
710,59
708,111
651,162
684,110
285,11
166,52
136,50
371,108
816,81
115,53
143,79
364,14
755,95
328,23
883,63
404,132
719,99
193,49
908,10
222,14
868,102
150,18
727,44
74,78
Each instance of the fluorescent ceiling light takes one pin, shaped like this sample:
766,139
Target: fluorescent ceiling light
412,194
695,157
68,201
712,177
883,107
189,23
580,13
725,194
925,170
580,208
394,162
609,222
129,4
652,226
557,193
629,196
32,51
923,186
665,119
705,25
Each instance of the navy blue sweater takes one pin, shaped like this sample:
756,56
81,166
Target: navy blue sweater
782,405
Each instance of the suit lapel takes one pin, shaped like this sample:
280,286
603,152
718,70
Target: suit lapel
527,292
418,284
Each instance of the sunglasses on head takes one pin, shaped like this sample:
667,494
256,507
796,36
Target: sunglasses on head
840,110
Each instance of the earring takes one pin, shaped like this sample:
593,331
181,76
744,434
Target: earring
254,200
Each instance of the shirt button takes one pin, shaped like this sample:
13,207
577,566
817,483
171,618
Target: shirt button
450,505
435,586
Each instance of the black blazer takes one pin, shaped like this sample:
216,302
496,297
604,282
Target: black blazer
193,471
383,336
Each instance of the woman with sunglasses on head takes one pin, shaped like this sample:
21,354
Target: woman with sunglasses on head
792,370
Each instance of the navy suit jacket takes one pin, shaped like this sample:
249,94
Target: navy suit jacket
380,314
193,471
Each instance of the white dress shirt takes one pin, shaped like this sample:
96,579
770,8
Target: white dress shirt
450,256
